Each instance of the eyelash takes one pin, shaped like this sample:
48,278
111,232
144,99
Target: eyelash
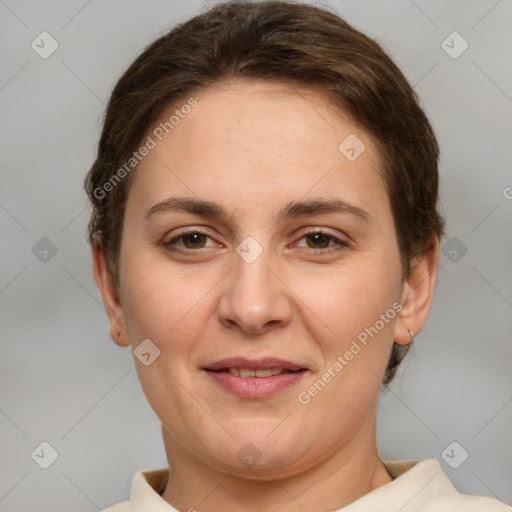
342,245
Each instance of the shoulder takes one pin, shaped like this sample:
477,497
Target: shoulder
423,486
146,489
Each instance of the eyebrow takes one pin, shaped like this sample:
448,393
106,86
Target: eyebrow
291,210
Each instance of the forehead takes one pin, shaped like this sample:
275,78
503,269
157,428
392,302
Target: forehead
258,143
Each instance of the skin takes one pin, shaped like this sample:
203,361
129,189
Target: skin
253,147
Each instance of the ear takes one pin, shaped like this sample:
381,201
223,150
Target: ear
417,293
109,293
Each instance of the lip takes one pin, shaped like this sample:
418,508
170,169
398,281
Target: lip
254,364
255,387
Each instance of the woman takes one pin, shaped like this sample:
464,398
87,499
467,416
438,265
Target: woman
265,236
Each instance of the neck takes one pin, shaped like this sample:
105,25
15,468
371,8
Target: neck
346,475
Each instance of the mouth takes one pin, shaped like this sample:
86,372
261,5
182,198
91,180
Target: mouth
253,379
263,373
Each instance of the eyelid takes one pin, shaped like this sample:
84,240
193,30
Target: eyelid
318,229
189,231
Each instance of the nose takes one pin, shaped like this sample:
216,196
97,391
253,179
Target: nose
256,298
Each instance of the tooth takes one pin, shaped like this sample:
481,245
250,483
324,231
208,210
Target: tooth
235,372
263,373
276,371
246,372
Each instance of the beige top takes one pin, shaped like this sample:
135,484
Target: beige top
417,486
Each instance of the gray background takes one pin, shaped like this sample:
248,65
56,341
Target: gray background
64,381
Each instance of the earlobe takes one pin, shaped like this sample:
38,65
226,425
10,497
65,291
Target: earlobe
417,294
109,293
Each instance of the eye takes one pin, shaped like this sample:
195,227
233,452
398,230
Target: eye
316,240
319,240
195,239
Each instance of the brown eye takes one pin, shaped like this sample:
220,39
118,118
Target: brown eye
190,240
194,240
318,240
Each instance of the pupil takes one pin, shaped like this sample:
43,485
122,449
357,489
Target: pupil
319,239
194,238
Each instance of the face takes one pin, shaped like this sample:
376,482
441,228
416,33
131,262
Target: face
261,261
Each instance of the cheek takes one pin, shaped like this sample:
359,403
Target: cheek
171,312
158,304
346,301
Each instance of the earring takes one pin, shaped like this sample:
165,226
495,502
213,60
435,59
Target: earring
411,334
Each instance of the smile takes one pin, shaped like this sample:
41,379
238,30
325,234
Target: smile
245,373
253,379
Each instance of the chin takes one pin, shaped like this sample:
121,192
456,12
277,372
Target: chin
261,451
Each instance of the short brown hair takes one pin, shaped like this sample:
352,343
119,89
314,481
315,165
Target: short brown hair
288,42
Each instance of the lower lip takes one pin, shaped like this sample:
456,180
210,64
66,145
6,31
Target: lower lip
256,387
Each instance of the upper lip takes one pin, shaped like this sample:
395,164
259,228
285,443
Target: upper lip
254,364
